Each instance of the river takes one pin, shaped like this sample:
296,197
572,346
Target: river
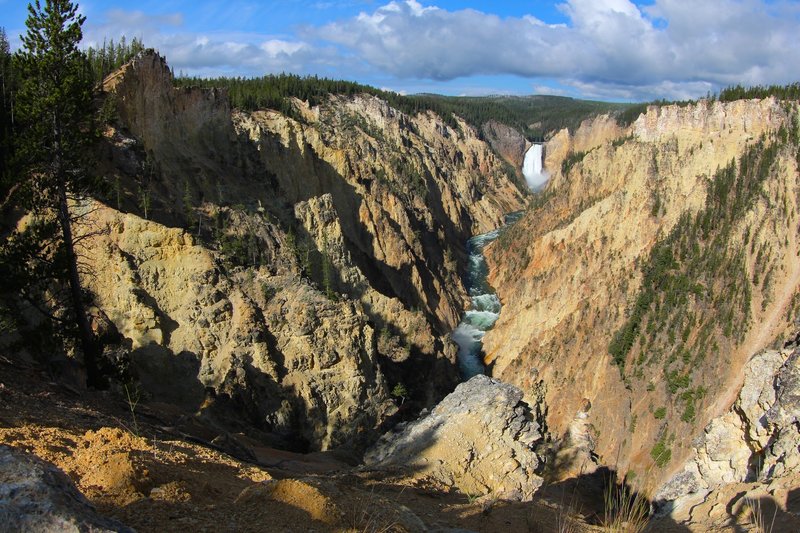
485,308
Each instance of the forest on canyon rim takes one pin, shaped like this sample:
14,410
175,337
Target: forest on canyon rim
271,266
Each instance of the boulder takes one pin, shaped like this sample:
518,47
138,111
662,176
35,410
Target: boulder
782,457
37,496
480,439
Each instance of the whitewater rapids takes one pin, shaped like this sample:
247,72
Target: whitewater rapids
485,309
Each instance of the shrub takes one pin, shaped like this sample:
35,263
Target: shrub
661,452
400,391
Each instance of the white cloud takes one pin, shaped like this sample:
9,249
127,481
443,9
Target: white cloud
211,53
664,89
611,45
608,49
276,47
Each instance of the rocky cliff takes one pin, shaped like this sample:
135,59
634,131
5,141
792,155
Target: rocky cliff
657,260
507,142
751,452
272,348
291,269
407,191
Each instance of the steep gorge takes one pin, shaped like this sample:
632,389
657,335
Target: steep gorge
294,279
293,269
358,210
660,257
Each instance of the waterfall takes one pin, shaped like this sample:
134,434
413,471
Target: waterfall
532,168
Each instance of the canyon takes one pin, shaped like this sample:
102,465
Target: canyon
287,294
359,214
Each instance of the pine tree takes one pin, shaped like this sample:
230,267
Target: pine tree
188,206
56,128
400,391
5,67
7,82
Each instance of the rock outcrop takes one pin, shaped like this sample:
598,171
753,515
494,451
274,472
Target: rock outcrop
782,455
37,496
407,328
407,191
506,141
589,135
296,363
292,269
758,440
479,439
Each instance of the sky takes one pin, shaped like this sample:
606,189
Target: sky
617,50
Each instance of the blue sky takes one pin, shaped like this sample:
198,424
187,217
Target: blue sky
601,49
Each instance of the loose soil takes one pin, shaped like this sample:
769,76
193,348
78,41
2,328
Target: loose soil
150,470
157,469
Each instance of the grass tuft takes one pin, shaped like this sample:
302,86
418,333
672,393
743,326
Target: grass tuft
624,509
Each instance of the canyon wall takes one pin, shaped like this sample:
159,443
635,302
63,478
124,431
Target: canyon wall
658,259
269,351
407,192
286,272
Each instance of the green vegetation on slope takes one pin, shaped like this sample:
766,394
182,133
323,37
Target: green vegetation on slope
781,92
272,92
534,116
695,267
697,292
730,94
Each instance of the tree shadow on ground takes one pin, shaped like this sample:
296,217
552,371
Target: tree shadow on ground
764,513
602,499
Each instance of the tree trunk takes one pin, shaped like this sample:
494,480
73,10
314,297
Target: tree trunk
85,334
88,344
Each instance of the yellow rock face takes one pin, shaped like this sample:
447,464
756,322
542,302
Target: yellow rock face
569,271
392,179
191,327
385,200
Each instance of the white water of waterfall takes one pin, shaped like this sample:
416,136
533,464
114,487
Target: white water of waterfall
485,309
532,168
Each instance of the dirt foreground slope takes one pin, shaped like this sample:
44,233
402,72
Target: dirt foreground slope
154,470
